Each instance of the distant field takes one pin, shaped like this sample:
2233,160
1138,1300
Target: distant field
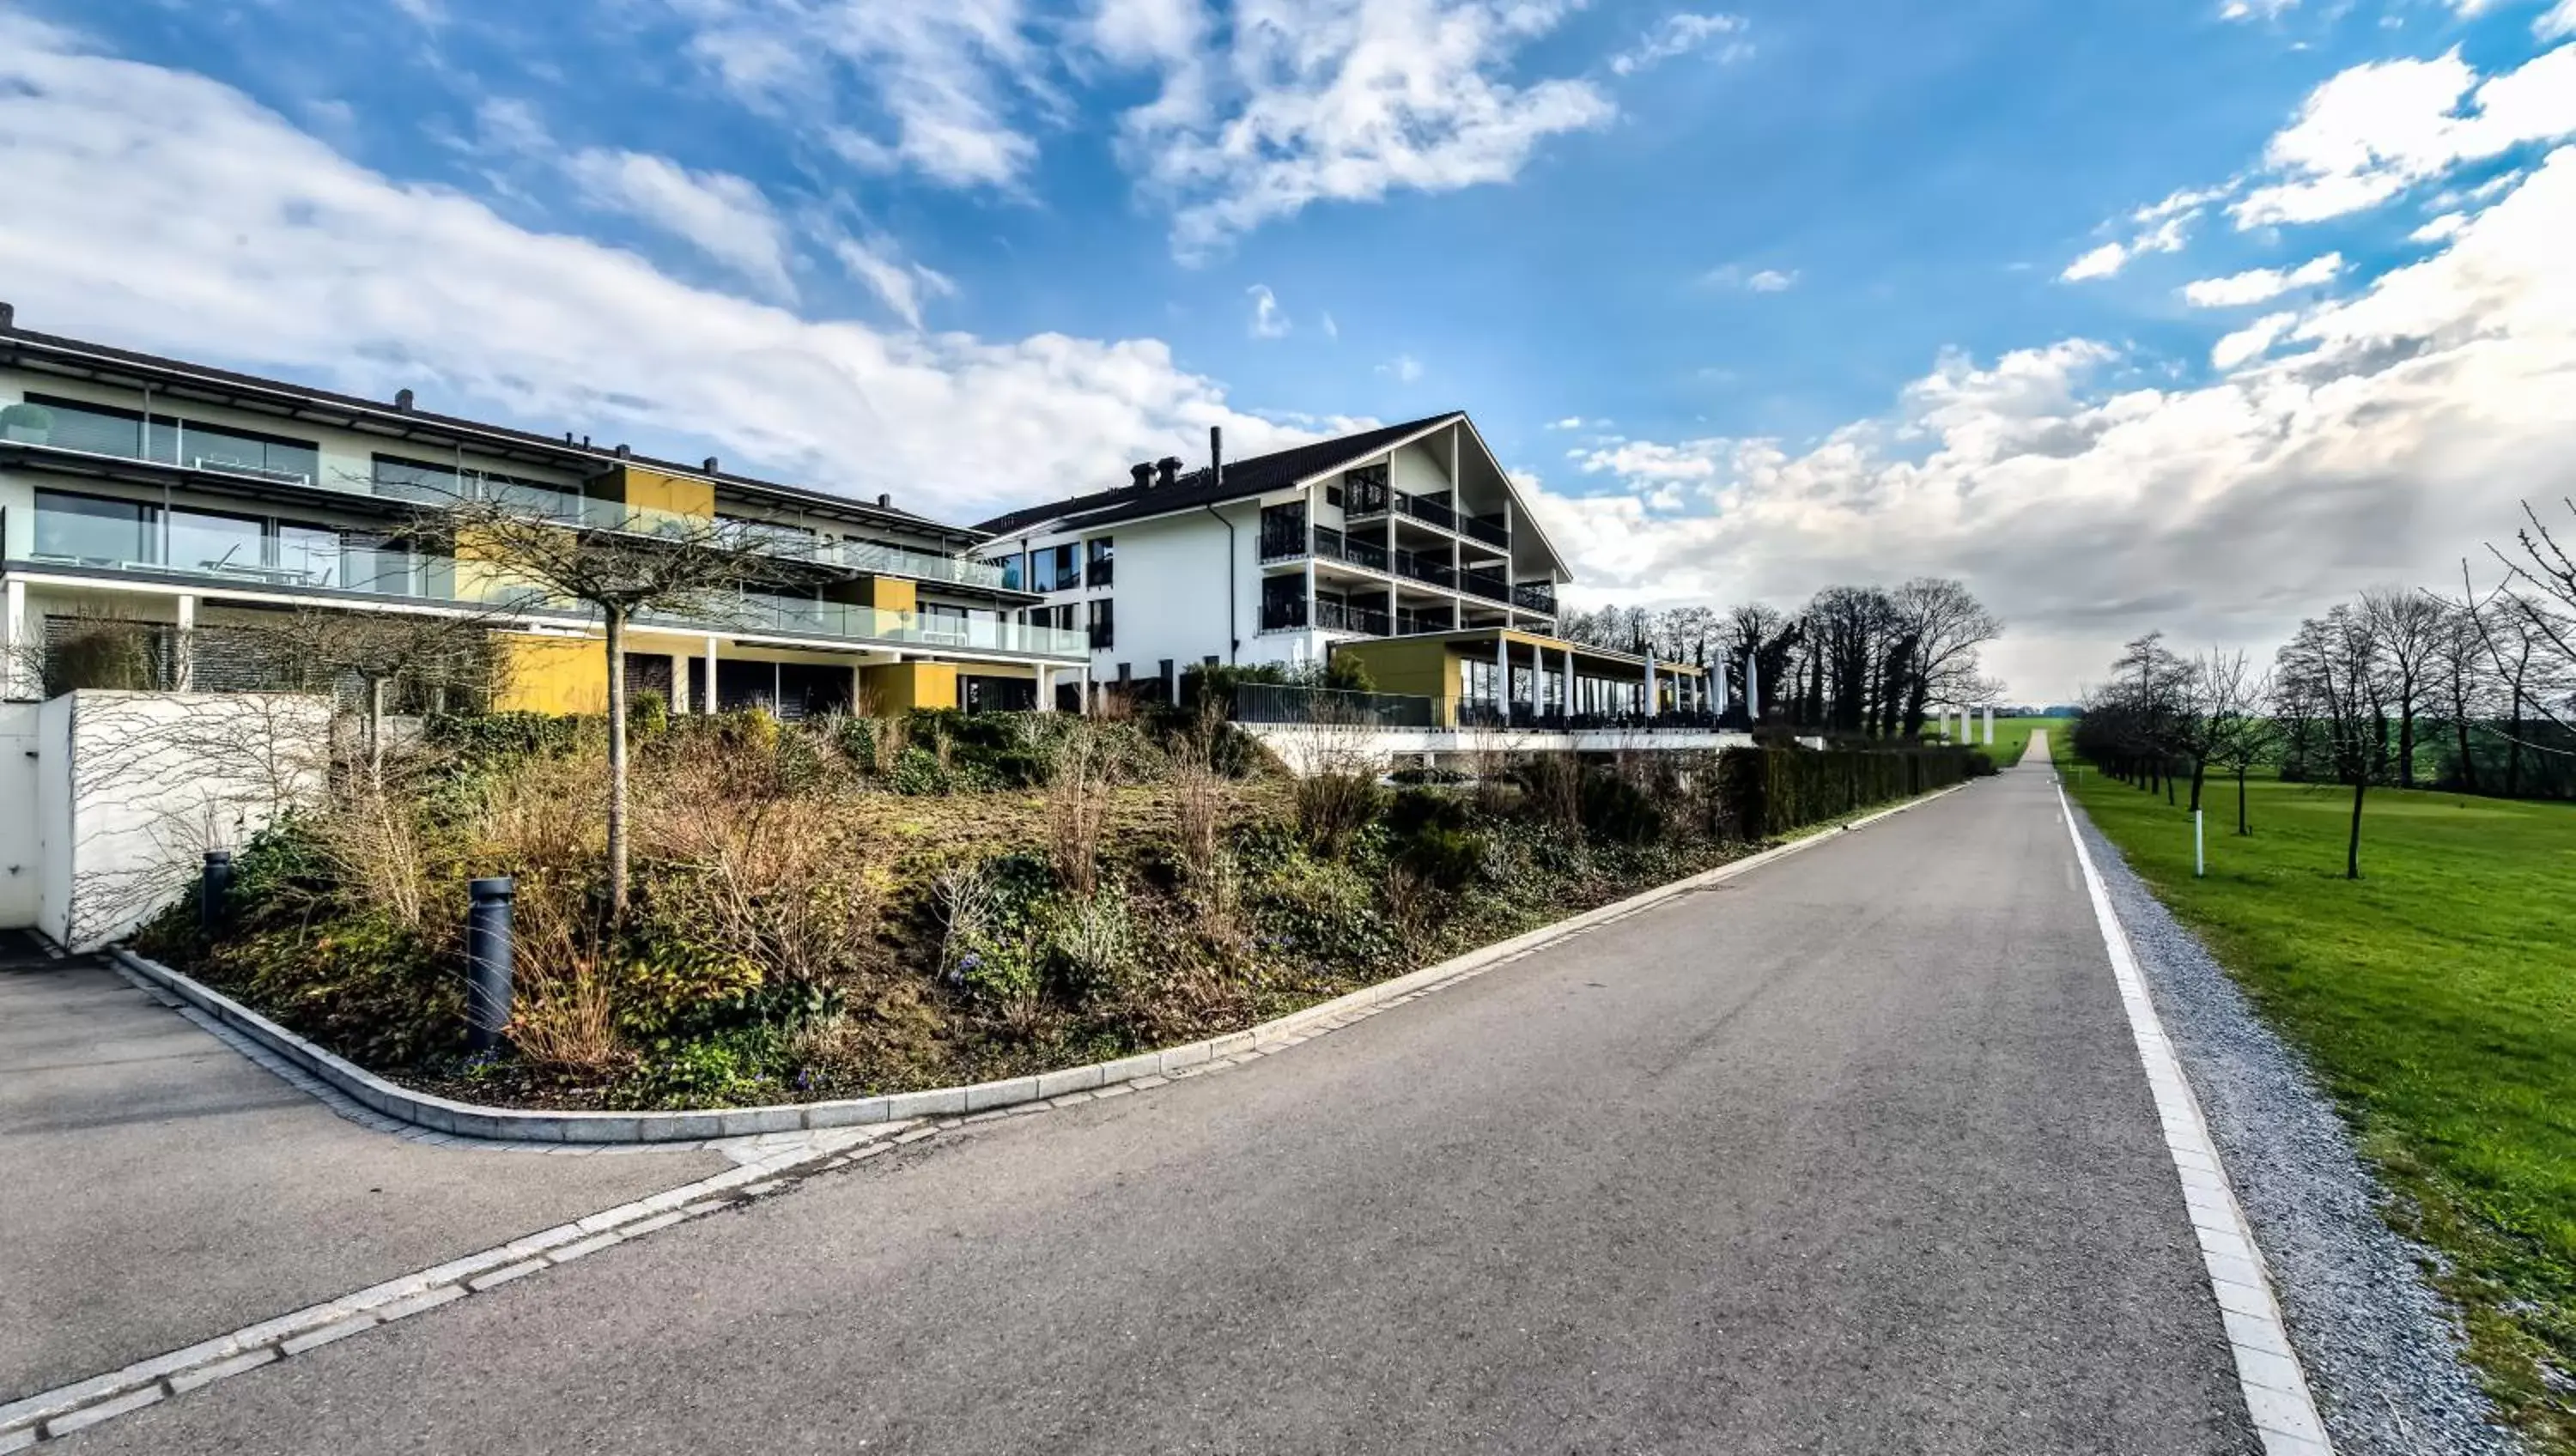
2437,999
2012,735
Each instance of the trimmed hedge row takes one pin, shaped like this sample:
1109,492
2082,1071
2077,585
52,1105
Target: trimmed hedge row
1771,791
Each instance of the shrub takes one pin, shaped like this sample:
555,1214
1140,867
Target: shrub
1334,805
1094,944
1619,810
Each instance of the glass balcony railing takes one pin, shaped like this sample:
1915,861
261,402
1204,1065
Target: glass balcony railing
390,572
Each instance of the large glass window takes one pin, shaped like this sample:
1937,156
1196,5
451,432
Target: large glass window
310,556
95,428
1101,560
1054,568
207,541
1104,622
436,484
107,430
96,531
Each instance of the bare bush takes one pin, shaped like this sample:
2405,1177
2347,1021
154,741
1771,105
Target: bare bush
1077,811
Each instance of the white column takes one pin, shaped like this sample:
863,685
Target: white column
1650,682
1753,688
1086,689
713,697
183,650
1990,725
1503,677
14,642
1046,688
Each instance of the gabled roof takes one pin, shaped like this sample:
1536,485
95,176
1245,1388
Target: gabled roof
1251,476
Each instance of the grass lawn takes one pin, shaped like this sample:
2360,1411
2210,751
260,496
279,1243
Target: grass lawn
2437,999
2012,735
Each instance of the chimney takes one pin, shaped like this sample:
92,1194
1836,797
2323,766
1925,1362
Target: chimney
402,400
885,501
1142,474
1216,455
8,315
711,465
624,453
1167,471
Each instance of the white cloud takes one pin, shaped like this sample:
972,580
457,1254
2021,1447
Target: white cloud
2256,9
721,215
1269,321
2251,342
1308,101
2558,23
2260,284
2439,229
928,88
2102,262
1403,368
1570,422
1332,330
229,236
1764,280
2373,131
2086,507
1679,34
902,285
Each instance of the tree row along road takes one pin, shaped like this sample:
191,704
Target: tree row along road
1852,1154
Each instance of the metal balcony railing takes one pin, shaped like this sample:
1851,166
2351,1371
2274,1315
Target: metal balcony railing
1485,584
1487,529
1414,624
1424,568
1285,703
1338,617
1284,541
1535,597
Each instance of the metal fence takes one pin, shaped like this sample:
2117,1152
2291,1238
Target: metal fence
1289,703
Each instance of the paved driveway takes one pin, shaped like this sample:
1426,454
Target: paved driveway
1851,1155
157,1189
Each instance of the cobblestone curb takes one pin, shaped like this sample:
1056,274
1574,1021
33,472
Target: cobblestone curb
470,1121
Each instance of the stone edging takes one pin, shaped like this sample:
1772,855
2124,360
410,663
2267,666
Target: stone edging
471,1120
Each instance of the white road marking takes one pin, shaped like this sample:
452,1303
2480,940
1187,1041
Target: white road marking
2267,1366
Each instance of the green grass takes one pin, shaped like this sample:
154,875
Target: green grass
2012,735
2436,998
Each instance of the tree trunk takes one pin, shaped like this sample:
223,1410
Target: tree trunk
376,734
2468,765
2352,848
2513,746
2406,746
2199,775
616,623
2241,826
2169,785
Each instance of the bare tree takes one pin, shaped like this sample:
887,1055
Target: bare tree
2407,626
1947,625
696,569
2218,714
424,655
2539,597
2333,665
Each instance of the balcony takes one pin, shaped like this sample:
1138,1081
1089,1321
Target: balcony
1485,584
1283,542
1535,597
1366,621
1425,510
315,564
1283,614
1414,624
1489,529
1425,568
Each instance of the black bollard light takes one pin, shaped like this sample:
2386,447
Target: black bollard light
214,885
487,961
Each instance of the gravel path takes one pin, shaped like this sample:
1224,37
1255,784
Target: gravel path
2381,1349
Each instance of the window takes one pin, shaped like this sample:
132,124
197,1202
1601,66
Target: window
106,430
1332,495
1104,623
205,541
1100,560
1478,680
90,529
422,480
1054,568
1014,570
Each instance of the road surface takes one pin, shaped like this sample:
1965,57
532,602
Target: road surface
1852,1154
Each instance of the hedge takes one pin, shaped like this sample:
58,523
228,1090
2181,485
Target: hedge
1771,791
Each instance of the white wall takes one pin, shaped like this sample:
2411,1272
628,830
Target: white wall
133,788
1416,471
1171,591
21,876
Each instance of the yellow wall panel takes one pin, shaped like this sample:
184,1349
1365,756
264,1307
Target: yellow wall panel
889,593
898,687
552,675
653,490
1418,668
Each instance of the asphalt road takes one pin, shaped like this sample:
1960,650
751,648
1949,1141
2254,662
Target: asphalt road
1851,1155
157,1189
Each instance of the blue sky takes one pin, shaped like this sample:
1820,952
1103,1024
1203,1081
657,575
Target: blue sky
1847,291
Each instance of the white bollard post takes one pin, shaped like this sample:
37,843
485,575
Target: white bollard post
2199,861
1990,725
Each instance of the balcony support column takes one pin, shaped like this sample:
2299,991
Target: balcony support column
14,643
714,697
183,647
1503,677
1650,681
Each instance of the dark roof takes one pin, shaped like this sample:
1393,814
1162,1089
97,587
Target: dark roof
399,423
1252,475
